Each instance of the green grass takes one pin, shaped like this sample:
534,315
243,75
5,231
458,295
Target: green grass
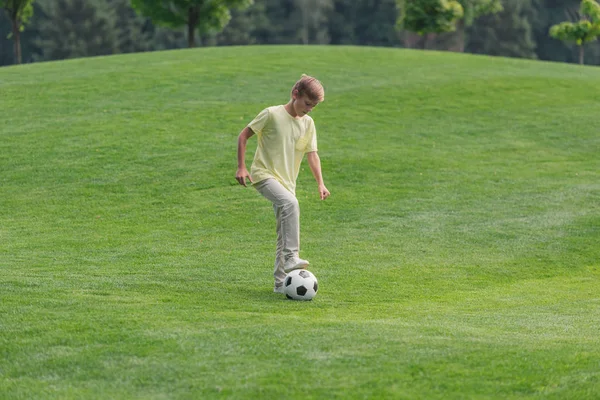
458,256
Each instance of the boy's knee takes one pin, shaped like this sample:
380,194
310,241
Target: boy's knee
292,204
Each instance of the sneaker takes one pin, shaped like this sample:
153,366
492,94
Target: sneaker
294,263
278,289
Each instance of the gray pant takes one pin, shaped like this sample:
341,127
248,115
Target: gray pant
287,214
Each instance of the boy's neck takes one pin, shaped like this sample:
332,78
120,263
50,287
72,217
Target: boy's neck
289,107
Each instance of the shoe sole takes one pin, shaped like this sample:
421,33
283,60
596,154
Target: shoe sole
297,266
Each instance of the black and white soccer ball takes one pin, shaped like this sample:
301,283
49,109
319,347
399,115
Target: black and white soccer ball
300,284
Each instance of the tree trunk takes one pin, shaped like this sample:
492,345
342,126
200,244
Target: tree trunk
191,40
460,30
16,33
192,23
581,52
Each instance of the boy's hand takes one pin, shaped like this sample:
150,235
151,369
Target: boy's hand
323,192
241,175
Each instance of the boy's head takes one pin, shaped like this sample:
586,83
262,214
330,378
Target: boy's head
309,87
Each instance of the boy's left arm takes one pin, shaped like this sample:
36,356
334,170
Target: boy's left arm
315,166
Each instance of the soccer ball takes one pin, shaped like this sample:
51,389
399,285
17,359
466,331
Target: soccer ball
300,284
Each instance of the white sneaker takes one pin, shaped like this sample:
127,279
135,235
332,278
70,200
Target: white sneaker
278,289
294,263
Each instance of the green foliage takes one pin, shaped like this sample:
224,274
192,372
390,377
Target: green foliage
547,13
6,47
507,33
205,16
280,27
131,29
438,16
522,28
591,9
586,30
18,11
579,32
364,22
245,26
76,28
429,16
476,8
277,21
312,17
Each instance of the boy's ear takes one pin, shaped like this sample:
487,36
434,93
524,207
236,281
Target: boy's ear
295,94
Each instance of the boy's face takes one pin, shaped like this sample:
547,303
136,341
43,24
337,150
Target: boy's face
303,104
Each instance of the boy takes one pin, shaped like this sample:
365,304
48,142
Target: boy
285,133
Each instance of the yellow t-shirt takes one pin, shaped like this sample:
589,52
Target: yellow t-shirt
282,142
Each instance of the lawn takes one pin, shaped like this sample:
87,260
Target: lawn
458,256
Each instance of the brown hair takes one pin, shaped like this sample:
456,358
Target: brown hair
311,87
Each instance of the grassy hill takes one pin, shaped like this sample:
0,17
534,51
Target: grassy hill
458,256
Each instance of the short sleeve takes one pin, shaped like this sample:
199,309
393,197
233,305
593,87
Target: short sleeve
257,124
312,138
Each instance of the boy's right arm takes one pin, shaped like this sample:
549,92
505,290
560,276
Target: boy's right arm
242,172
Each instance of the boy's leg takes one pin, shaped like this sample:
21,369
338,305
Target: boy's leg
278,272
287,212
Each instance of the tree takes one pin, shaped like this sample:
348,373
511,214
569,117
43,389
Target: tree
363,22
205,16
476,8
545,14
281,27
244,27
19,12
587,29
7,51
132,30
473,10
76,28
507,33
429,16
313,20
437,10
